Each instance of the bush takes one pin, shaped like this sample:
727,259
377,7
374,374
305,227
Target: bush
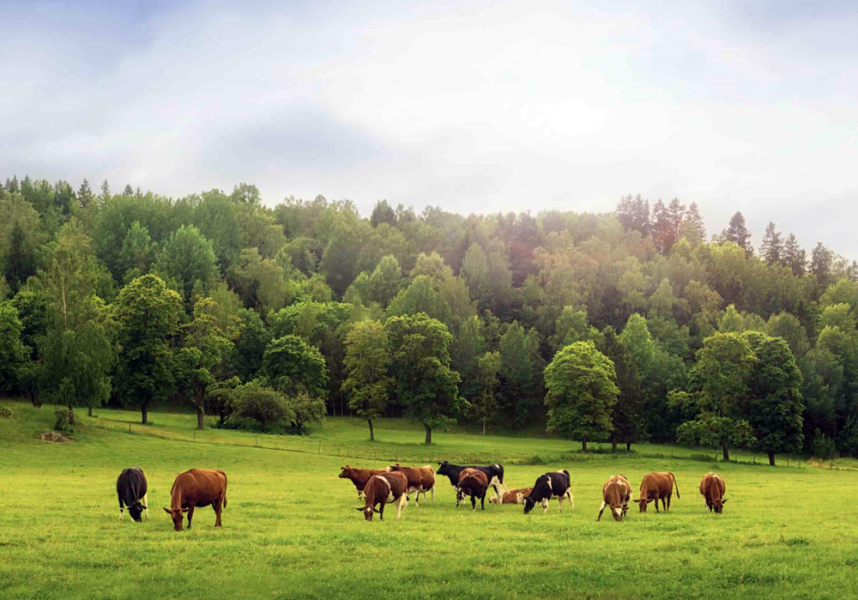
823,446
62,423
5,413
263,405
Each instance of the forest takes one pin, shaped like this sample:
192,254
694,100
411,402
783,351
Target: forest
625,327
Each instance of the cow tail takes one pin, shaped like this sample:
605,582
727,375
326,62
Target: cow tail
225,482
675,484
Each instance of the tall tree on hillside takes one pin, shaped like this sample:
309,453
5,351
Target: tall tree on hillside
821,263
426,386
582,393
382,213
517,376
206,345
794,257
633,213
13,353
148,314
77,350
187,260
775,402
484,404
85,195
692,227
294,367
367,361
722,369
738,233
20,261
772,247
666,223
628,413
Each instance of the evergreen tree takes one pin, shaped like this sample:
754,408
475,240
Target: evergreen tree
692,227
772,248
738,233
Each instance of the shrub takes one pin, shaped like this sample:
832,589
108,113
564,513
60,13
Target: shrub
823,446
62,423
261,404
5,413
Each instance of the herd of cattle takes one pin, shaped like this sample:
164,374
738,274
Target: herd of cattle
395,484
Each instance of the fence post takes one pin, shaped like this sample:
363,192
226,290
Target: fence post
195,435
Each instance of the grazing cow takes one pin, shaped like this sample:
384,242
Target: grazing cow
472,483
712,488
494,473
510,496
548,486
386,488
197,487
132,490
657,486
420,479
360,477
616,493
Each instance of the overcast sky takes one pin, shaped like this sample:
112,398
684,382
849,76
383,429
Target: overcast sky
473,106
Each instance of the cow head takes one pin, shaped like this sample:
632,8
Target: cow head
344,474
493,499
367,511
718,505
136,511
529,503
444,468
395,468
177,515
642,502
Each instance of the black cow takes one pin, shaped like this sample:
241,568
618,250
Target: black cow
548,486
131,488
494,473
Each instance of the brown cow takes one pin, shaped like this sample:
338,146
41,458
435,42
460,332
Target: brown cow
657,486
197,487
360,477
712,488
474,483
511,496
617,492
420,479
385,488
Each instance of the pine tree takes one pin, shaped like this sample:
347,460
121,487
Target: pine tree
794,257
20,262
84,194
692,227
821,262
738,233
633,213
772,247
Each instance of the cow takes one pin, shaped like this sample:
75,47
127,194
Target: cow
494,473
360,477
384,488
712,488
616,493
197,487
132,490
510,496
657,486
420,479
472,483
548,486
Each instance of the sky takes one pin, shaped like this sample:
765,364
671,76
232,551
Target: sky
468,105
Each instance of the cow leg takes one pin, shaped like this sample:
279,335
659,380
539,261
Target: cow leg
146,504
218,506
656,504
545,506
190,515
483,501
601,510
571,501
668,502
473,501
560,502
399,505
120,509
381,511
433,494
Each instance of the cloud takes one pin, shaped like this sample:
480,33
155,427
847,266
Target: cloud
475,106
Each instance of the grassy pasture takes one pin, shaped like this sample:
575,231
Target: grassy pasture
291,529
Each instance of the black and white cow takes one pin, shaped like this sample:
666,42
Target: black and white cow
547,487
494,473
132,491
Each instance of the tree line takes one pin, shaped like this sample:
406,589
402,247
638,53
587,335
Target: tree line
626,326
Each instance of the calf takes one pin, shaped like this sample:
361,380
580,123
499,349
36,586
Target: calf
360,477
548,486
420,479
387,488
494,473
616,493
712,488
510,496
474,483
657,486
132,490
197,487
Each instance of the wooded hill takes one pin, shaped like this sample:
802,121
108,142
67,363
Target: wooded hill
626,326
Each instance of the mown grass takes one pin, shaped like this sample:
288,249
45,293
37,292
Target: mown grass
291,529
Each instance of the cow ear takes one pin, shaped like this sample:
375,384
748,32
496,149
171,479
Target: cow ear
724,501
361,508
648,500
375,510
168,511
184,510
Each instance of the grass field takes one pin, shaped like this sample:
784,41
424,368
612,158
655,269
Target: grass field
291,529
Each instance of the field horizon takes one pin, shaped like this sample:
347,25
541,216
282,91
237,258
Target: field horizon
291,529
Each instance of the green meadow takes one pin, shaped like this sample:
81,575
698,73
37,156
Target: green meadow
291,529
